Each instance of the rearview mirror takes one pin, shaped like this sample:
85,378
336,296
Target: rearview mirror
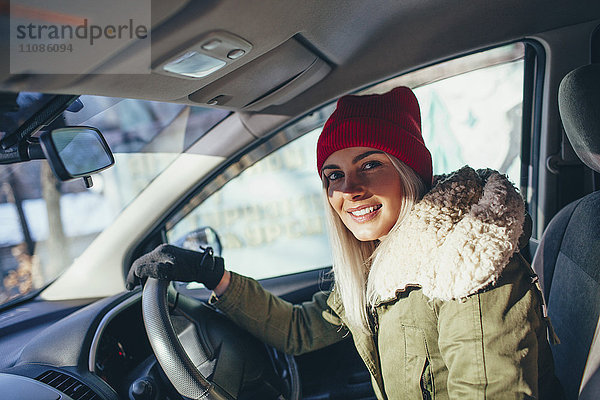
76,151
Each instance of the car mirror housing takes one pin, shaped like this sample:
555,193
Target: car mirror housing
201,238
76,151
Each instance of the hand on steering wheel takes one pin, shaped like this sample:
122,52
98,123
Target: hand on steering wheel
167,262
159,267
164,264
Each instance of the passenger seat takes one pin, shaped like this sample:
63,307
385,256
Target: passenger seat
568,257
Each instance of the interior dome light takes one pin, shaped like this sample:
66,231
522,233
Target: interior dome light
194,65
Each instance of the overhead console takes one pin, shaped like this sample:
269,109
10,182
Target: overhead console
271,79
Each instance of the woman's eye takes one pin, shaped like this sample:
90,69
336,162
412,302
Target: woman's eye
371,165
334,176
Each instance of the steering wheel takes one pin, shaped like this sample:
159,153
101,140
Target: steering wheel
234,356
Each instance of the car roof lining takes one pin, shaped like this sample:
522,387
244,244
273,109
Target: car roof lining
327,30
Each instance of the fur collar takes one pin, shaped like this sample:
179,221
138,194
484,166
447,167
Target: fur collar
454,242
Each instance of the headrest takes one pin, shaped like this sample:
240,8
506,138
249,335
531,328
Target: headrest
579,106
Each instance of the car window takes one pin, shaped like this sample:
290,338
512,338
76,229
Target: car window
270,218
471,109
480,128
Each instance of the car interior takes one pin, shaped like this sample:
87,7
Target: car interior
201,131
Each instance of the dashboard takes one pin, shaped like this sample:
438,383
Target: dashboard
88,350
99,350
49,343
120,344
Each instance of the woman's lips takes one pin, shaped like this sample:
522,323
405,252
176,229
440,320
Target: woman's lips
364,213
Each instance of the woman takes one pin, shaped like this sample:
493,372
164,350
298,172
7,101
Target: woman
428,276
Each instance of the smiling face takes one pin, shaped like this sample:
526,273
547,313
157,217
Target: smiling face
365,190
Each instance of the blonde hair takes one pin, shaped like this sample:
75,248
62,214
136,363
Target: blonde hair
352,258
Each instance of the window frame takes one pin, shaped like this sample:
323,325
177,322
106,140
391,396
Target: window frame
531,129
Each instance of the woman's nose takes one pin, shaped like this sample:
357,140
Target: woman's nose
353,188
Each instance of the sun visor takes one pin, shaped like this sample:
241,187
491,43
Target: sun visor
271,79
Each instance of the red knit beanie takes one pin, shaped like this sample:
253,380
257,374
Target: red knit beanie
390,122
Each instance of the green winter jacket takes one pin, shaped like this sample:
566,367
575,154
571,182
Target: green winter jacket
443,338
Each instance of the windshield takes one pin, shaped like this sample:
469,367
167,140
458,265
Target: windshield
46,224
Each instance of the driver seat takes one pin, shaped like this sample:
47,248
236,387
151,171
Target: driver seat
568,257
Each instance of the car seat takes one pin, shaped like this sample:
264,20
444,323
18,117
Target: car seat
568,257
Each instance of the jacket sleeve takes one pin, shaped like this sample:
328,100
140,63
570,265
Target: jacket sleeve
490,340
293,329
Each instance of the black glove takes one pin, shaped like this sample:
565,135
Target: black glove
167,262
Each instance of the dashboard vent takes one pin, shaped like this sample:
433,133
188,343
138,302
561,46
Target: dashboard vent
68,385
